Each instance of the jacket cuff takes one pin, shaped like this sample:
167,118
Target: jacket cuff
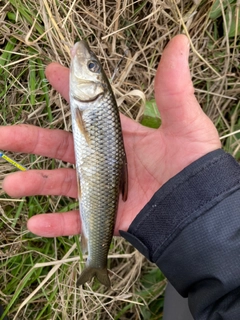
179,202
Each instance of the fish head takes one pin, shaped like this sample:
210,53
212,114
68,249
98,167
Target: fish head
86,75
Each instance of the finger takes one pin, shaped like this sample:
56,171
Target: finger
55,224
41,182
174,90
58,76
30,139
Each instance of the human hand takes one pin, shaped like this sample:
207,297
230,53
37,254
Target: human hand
154,155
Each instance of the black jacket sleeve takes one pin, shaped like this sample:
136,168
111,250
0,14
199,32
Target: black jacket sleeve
191,230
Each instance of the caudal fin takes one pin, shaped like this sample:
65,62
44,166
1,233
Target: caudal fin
89,272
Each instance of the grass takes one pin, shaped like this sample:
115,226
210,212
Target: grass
37,279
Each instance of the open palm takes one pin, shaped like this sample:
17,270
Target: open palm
154,156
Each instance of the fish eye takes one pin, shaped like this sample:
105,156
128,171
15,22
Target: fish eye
93,66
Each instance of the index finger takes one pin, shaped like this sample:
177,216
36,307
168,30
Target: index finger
58,76
53,143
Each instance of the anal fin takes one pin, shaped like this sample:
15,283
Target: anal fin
84,242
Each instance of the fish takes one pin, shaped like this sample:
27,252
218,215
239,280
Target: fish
101,163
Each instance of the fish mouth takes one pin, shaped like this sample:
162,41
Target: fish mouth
84,82
81,48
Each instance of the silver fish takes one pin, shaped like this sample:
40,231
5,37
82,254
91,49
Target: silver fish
100,158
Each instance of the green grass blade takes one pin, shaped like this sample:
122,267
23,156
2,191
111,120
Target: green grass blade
151,116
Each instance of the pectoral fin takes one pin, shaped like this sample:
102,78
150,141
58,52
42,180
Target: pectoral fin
79,186
81,125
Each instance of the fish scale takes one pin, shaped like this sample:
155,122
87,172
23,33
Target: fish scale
100,158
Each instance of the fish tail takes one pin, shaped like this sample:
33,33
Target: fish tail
90,272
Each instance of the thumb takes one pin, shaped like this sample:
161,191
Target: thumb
174,90
180,111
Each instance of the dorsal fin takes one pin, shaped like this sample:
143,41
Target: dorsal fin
124,179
